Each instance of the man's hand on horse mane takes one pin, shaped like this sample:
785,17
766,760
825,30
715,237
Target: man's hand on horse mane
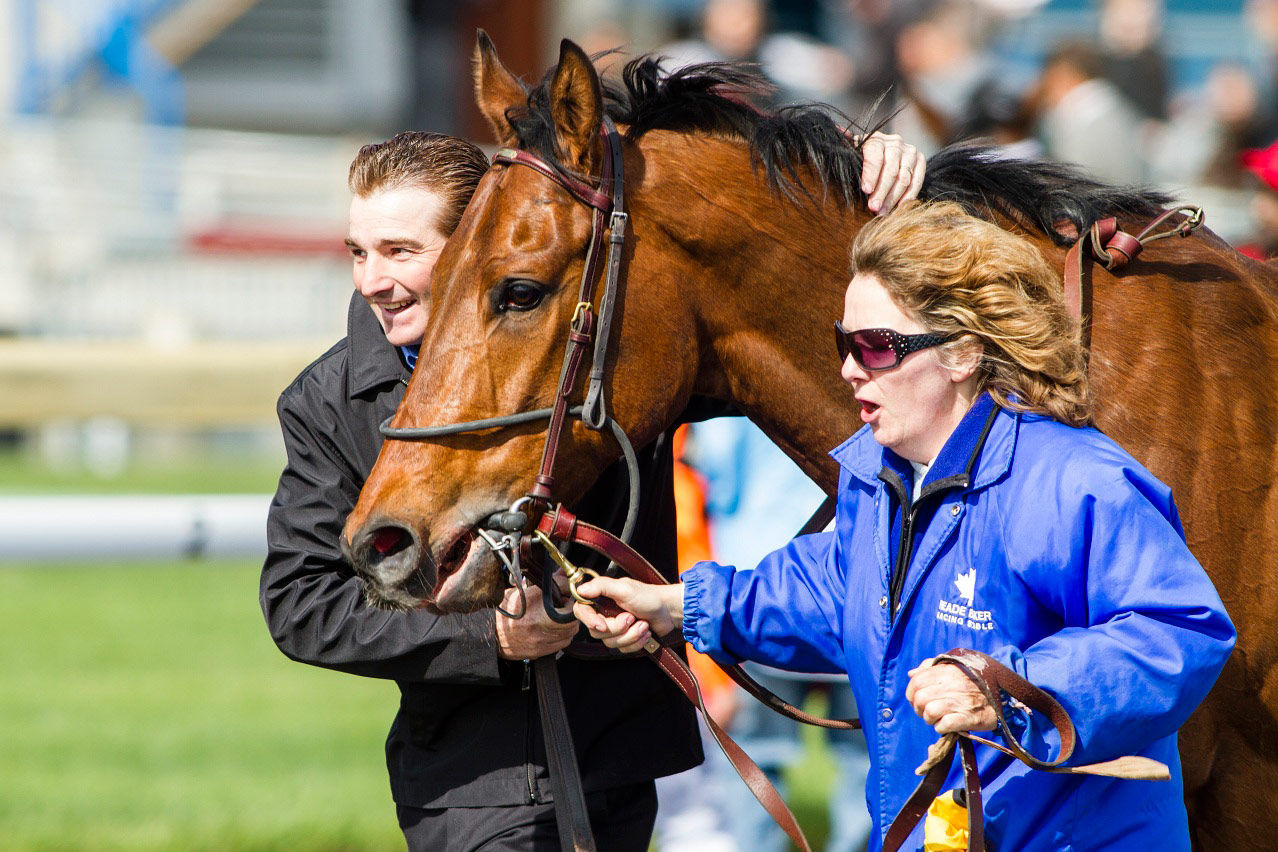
535,634
892,171
647,608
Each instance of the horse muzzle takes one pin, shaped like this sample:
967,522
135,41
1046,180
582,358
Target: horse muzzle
398,573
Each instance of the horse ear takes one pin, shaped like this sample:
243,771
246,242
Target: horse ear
576,105
496,89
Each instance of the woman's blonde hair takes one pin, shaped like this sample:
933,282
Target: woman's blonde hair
957,274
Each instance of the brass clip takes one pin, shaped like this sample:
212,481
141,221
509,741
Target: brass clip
577,311
574,573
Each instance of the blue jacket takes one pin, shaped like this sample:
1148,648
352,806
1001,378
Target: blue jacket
1045,546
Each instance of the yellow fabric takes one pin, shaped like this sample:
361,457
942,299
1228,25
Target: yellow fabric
945,829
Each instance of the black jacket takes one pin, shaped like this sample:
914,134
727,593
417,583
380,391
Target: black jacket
468,729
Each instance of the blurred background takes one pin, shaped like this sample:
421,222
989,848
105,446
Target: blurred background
172,210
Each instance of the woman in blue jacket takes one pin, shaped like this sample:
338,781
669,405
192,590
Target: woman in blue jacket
977,508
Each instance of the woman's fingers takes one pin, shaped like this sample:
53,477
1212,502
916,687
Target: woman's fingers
597,586
872,148
945,698
623,632
633,639
917,173
590,617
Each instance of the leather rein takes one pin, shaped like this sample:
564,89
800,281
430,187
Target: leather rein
504,533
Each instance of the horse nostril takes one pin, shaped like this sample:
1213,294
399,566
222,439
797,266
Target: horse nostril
390,540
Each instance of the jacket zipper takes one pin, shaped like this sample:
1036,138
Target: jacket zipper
903,557
525,687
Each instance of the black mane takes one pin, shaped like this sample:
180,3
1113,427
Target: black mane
714,98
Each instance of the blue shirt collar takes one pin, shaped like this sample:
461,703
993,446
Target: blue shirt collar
409,354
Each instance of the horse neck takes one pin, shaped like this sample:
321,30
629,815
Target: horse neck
764,277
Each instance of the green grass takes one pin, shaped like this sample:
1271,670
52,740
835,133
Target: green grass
23,474
808,781
145,707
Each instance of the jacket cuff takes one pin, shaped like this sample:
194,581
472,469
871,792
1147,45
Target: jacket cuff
706,587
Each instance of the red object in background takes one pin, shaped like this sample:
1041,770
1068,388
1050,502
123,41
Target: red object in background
1263,163
1255,252
264,239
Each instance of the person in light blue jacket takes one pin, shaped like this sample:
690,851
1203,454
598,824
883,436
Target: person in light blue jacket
977,508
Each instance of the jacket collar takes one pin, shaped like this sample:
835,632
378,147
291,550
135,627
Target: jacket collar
977,453
373,360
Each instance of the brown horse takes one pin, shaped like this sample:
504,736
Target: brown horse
736,262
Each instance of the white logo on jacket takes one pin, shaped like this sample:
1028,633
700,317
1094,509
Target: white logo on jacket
967,586
962,613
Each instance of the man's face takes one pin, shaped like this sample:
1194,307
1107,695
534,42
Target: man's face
394,243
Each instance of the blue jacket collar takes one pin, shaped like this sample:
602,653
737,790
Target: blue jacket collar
978,451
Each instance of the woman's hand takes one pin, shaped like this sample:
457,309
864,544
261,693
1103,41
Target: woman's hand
648,608
891,172
947,700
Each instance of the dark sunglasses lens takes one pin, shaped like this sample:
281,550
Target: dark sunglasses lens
874,348
841,342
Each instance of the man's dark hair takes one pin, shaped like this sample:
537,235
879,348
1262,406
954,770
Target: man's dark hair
444,164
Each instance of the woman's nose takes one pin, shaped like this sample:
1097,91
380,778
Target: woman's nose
851,371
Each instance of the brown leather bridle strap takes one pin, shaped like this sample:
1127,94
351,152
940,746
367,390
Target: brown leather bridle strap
571,814
1114,249
583,192
604,203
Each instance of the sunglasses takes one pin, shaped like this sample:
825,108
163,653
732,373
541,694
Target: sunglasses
881,348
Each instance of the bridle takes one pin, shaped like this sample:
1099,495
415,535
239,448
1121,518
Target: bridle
502,531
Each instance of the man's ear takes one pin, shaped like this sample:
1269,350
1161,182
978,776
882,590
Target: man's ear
576,105
496,89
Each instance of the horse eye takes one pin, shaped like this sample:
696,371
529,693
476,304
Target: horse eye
520,296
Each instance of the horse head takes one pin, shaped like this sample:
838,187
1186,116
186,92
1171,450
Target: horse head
503,295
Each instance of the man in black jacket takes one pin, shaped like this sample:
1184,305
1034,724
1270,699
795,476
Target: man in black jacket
465,753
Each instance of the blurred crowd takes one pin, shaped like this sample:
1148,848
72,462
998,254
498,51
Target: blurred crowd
937,72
